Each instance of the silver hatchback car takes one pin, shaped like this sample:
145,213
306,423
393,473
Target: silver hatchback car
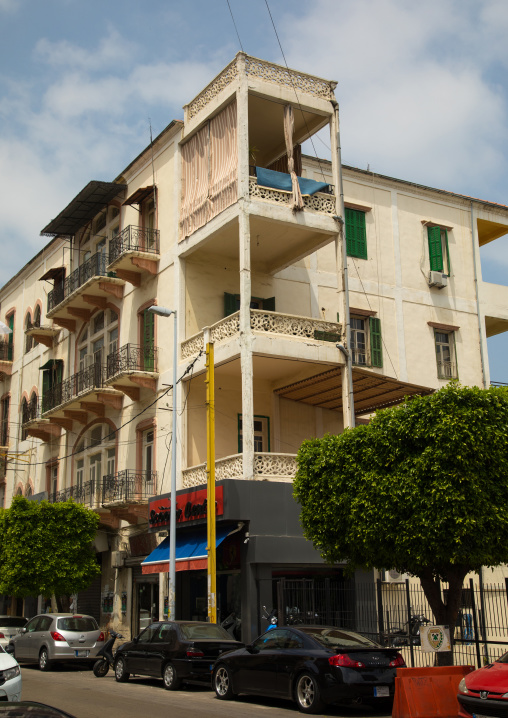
61,637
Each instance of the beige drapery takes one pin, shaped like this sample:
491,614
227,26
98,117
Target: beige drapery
289,123
209,171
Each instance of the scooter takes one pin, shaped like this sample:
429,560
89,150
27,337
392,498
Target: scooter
102,665
271,618
232,624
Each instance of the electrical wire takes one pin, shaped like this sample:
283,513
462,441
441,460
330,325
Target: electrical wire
234,23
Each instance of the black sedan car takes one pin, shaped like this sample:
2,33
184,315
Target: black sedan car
312,665
175,651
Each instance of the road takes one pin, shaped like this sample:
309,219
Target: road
78,692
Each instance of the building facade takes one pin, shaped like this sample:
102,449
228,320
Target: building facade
327,291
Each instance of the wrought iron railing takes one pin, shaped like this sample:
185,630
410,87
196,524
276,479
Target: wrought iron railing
446,370
134,239
6,350
30,412
86,492
90,378
95,266
129,486
132,357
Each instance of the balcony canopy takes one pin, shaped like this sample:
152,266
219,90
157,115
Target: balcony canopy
85,205
371,390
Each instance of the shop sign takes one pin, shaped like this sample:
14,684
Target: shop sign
189,507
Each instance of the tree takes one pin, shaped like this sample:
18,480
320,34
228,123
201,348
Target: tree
423,489
46,549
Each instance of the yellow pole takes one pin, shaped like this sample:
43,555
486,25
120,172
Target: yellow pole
210,480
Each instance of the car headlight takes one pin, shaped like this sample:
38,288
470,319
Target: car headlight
462,686
11,673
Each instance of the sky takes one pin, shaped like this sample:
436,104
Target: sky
423,94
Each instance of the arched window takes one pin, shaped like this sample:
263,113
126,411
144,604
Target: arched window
19,491
28,491
28,339
94,460
37,320
25,416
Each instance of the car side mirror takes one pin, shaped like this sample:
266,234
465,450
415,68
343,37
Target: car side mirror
22,630
251,648
9,649
135,639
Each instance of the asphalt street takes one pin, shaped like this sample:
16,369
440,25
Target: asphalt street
83,695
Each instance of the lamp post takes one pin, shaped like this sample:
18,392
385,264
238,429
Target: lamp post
163,312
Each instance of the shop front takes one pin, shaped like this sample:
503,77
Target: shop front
260,549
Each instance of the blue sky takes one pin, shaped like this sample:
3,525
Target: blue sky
423,94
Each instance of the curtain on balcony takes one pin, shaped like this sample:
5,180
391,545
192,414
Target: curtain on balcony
209,171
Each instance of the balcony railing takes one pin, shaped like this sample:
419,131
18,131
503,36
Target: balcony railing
30,412
267,466
319,202
132,357
86,493
90,378
129,486
95,266
5,351
446,370
134,239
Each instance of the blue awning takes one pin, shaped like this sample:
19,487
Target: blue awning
190,551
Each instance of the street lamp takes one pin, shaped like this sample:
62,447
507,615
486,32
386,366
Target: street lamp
163,312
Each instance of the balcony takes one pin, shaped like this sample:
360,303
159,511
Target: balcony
43,334
88,287
323,201
128,487
34,425
267,467
131,368
87,493
81,393
6,352
135,252
285,326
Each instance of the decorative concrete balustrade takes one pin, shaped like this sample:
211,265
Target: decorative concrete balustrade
319,202
287,325
266,466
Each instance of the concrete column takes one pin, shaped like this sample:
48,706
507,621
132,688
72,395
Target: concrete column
246,345
399,305
242,108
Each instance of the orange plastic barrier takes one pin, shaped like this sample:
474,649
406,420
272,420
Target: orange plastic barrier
428,692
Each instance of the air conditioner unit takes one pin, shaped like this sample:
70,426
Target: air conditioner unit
393,576
438,279
118,559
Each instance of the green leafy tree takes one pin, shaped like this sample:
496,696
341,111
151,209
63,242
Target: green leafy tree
422,489
46,549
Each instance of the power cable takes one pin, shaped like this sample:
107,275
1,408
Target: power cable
234,23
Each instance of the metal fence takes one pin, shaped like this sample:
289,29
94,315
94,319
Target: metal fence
132,357
394,613
129,486
134,239
94,266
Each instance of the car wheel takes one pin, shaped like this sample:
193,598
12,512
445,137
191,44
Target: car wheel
307,694
222,684
44,662
170,678
121,673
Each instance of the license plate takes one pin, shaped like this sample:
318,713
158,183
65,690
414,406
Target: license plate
384,692
81,654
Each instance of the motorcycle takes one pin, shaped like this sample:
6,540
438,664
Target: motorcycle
102,665
271,618
402,638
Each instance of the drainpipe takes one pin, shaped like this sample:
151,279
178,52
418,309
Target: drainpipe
473,238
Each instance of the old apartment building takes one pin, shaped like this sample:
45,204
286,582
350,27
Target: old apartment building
208,221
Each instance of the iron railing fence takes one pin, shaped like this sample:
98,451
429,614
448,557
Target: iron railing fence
132,357
134,239
446,370
129,486
30,412
395,613
86,493
95,266
91,377
6,350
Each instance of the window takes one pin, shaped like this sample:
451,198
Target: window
148,339
52,384
96,458
366,342
232,303
445,355
356,233
92,345
261,434
52,480
28,339
148,440
439,254
10,338
4,421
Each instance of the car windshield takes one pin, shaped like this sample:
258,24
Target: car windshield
12,622
203,630
77,623
339,638
503,658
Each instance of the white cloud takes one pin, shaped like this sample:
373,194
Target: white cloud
112,51
9,5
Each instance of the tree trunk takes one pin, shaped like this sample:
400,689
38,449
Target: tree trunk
445,614
63,603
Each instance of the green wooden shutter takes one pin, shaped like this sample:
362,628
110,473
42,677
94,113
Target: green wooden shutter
229,304
435,249
376,345
356,234
269,304
148,340
46,386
